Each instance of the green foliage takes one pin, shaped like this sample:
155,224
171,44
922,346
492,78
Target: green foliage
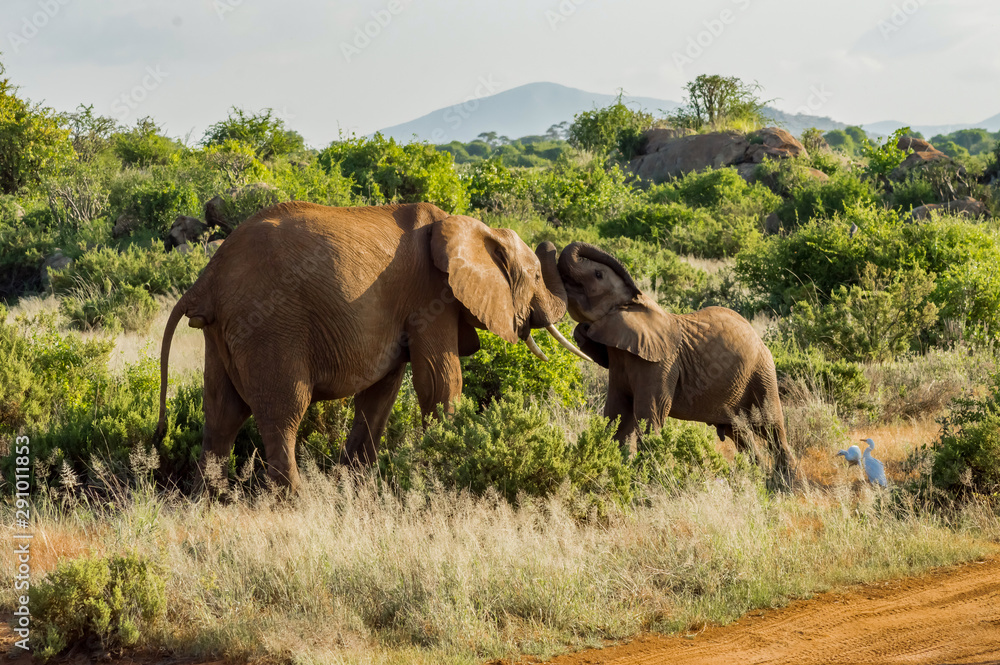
807,197
33,142
492,186
263,132
143,145
152,198
91,135
813,141
848,141
723,190
500,367
615,130
579,196
114,599
966,142
884,157
239,204
875,320
965,460
301,182
384,171
841,381
679,452
717,102
681,229
107,288
238,161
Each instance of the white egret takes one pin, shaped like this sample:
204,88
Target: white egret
874,470
852,455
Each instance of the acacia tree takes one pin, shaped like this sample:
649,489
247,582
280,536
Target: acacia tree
714,101
612,128
263,131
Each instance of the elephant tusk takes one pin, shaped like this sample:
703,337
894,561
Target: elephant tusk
534,348
565,342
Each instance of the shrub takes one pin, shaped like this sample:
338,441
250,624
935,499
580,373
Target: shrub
613,130
113,599
965,459
813,424
303,182
154,198
678,452
715,189
809,198
580,195
808,370
876,320
240,203
263,132
883,158
682,229
384,171
500,367
494,187
143,145
108,288
33,142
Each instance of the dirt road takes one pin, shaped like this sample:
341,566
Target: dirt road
951,615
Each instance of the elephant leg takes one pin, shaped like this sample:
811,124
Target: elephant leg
437,372
372,407
650,409
278,418
619,405
225,410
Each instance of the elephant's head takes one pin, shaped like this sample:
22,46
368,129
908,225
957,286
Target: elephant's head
611,309
507,288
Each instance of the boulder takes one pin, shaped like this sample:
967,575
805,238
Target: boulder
183,248
124,225
690,153
772,224
668,153
967,207
55,261
923,154
212,247
774,143
658,137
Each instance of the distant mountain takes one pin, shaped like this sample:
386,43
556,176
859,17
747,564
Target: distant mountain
533,108
886,127
521,111
796,123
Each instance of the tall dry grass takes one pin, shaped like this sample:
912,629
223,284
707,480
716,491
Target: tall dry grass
349,574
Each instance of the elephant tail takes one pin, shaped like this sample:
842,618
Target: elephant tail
176,313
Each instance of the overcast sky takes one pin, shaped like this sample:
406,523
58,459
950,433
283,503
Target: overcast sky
372,64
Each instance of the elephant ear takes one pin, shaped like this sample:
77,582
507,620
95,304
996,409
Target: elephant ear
641,328
477,264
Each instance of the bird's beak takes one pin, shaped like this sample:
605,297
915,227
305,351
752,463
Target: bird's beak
863,440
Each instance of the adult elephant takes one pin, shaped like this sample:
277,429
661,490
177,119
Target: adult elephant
306,302
709,366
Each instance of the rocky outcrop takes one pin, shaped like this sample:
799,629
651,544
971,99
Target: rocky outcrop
966,207
184,230
669,153
923,154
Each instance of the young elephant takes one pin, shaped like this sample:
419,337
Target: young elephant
709,366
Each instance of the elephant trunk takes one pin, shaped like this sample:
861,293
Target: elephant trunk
549,304
569,262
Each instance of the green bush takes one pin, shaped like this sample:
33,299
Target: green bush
494,187
304,182
580,195
143,145
677,453
384,171
822,255
240,203
809,198
125,307
684,230
114,599
965,460
265,133
716,189
875,320
512,446
884,157
500,367
153,198
33,142
841,381
614,130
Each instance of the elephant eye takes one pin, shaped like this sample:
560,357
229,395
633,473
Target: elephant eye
599,275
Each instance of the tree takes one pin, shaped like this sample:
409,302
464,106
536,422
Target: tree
90,134
33,142
262,131
714,101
